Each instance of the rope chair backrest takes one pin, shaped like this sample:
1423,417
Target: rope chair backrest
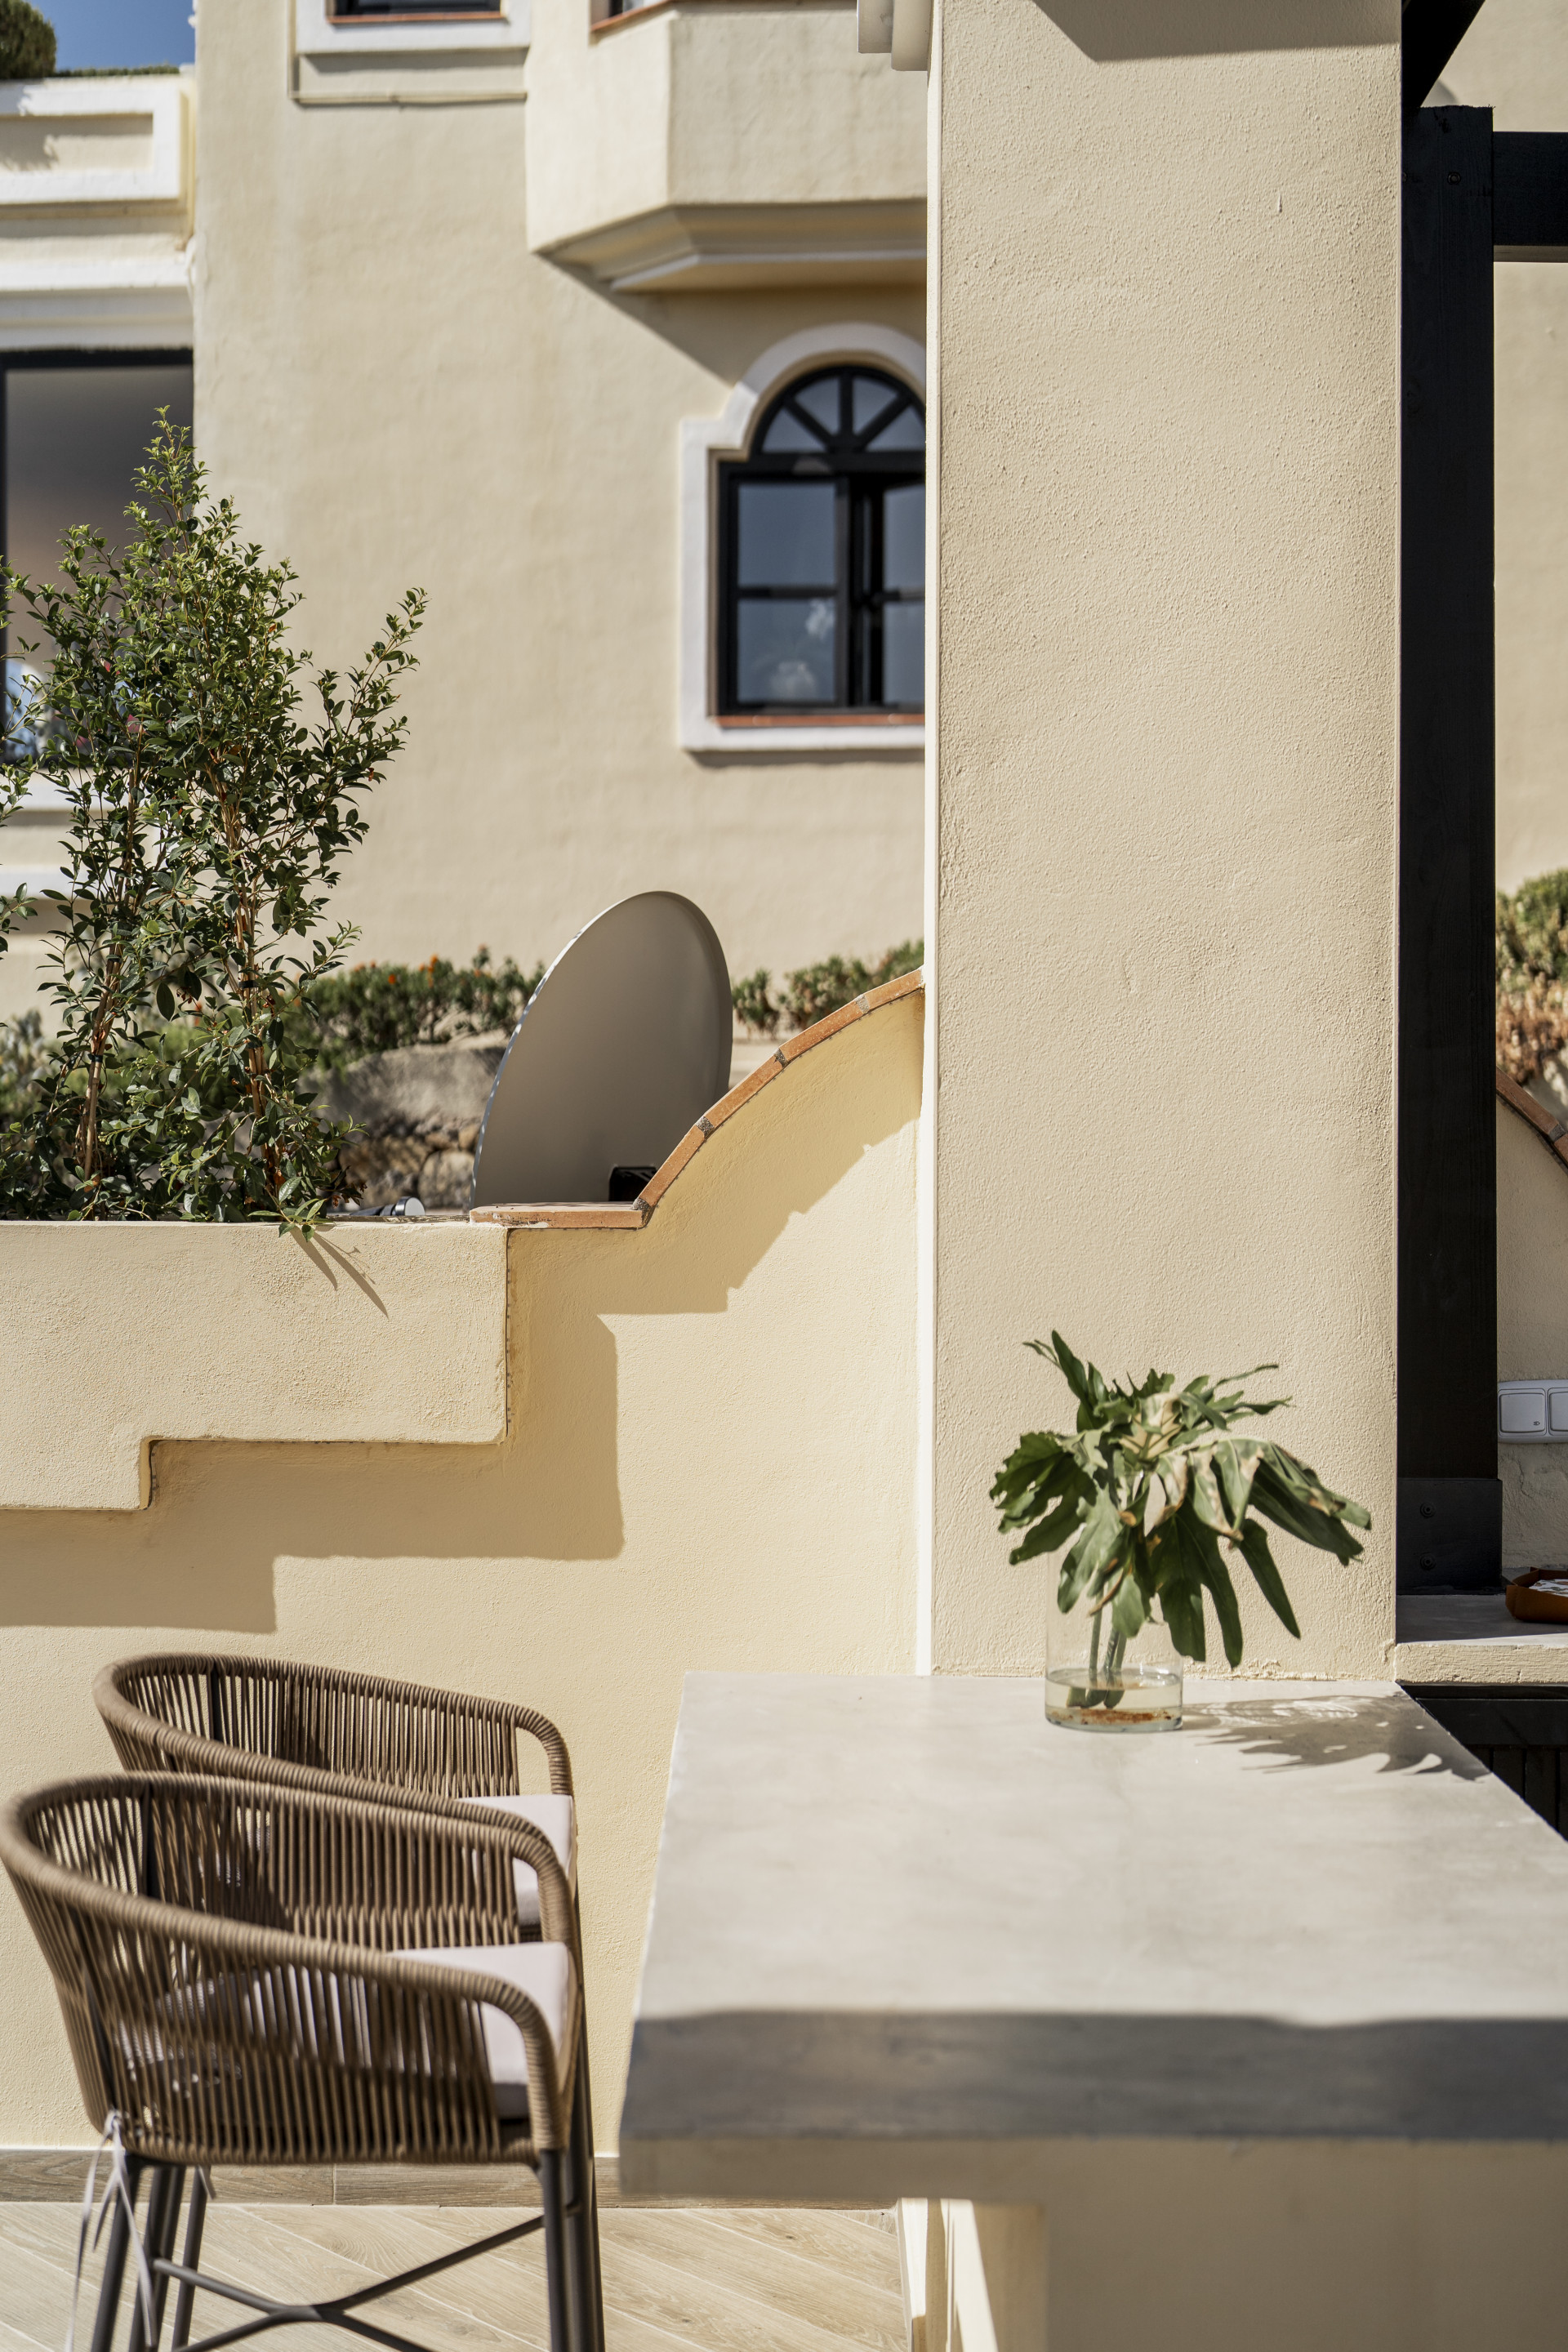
222,1955
272,1719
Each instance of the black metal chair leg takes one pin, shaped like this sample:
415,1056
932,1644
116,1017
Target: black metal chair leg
190,2260
165,2249
582,2222
114,2263
556,2259
157,2238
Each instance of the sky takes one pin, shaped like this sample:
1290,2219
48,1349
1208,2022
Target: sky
123,32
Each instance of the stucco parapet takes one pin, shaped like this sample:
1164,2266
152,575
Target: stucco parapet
573,1215
117,1336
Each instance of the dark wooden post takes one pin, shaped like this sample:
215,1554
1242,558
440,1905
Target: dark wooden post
1451,1511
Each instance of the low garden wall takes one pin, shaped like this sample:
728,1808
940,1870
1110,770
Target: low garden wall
548,1461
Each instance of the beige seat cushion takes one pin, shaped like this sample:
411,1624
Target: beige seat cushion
557,1818
544,1972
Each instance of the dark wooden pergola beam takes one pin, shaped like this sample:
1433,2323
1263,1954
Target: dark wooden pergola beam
1432,31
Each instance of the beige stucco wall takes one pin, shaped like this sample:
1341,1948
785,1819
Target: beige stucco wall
1514,59
396,389
1532,1332
704,105
711,1464
1162,873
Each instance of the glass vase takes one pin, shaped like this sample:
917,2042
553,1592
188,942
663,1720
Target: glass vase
1098,1680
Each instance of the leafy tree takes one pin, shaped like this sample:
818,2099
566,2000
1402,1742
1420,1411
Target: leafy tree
206,824
1152,1492
27,42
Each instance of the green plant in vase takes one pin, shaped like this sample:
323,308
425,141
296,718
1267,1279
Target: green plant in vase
1156,1495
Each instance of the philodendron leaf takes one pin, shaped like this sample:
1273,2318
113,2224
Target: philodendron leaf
1129,1609
1181,1607
1158,1490
1207,1501
1287,1500
1049,1534
1099,1540
1260,1560
1216,1577
1236,1460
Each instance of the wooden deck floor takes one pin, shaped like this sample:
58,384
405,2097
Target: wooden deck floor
724,2279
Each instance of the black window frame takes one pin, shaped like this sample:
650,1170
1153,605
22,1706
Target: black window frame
140,355
408,12
861,477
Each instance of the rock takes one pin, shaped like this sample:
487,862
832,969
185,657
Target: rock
445,1180
449,1083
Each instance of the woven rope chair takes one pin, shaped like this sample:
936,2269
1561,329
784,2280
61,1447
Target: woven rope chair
349,1734
252,1975
305,1726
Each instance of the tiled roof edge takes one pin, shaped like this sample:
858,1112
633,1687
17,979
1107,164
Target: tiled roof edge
573,1215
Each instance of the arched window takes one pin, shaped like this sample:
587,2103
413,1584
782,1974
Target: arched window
822,551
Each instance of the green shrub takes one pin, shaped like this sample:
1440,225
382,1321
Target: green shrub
818,989
26,43
205,828
1532,933
374,1008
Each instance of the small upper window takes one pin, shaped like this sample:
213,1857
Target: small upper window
337,10
822,551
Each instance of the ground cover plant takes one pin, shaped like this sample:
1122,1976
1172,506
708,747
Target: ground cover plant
1155,1494
818,989
205,825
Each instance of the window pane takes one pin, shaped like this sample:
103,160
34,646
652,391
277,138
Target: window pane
787,432
869,400
903,653
74,439
787,538
785,649
906,431
904,536
821,400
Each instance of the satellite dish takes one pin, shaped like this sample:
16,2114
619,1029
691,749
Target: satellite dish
625,1044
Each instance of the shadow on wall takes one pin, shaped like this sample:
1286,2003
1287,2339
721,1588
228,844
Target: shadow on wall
1113,32
614,1349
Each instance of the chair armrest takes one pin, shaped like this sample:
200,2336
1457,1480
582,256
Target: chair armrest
146,1741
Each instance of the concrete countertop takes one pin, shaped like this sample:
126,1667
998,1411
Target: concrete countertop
904,1930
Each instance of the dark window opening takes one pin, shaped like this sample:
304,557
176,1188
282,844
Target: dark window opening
822,552
411,10
74,427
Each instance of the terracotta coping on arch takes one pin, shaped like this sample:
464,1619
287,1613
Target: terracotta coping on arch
1554,1132
573,1215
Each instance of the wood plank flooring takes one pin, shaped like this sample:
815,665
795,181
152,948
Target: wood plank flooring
720,2280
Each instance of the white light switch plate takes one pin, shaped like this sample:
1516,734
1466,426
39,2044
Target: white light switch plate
1532,1413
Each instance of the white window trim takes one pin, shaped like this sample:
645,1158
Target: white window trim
706,441
371,40
158,97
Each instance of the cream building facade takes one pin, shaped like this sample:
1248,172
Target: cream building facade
485,305
1148,1092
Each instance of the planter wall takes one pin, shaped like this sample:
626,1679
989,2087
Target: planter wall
116,1336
